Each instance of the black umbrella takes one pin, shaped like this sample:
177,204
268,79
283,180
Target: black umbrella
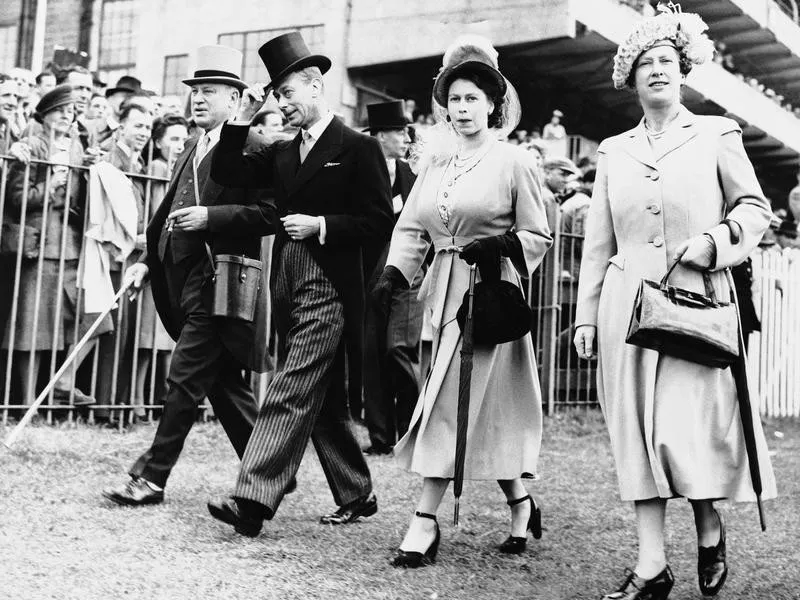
739,369
464,382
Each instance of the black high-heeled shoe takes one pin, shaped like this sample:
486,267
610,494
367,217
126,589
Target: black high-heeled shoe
517,545
414,560
712,568
636,588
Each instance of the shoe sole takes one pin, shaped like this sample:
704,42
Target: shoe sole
128,502
224,516
367,513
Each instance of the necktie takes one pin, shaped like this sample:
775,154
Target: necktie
202,148
305,145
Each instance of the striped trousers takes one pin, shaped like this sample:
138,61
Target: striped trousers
306,397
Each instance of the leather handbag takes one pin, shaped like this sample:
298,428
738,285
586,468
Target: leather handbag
685,324
9,240
500,313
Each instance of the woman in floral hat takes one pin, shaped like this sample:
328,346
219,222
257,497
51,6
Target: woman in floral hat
676,187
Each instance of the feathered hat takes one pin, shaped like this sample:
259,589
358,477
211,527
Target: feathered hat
684,31
468,53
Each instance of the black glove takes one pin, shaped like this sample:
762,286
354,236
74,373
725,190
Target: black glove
486,252
381,293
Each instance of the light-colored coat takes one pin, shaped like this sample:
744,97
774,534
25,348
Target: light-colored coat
505,418
675,427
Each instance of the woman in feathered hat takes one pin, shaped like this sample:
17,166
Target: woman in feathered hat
476,200
676,187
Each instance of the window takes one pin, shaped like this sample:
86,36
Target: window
117,54
175,71
249,42
8,47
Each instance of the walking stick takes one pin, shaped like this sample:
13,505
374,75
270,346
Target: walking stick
12,437
464,388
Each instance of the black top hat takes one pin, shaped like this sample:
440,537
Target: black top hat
386,115
128,84
60,95
288,53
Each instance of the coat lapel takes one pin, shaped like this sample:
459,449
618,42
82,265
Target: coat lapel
328,145
683,131
638,147
210,190
288,160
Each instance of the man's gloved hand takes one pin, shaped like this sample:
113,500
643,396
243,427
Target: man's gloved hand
486,252
381,293
698,252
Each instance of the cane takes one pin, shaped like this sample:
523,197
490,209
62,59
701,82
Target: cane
12,437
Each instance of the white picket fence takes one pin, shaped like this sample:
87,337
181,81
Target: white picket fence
775,351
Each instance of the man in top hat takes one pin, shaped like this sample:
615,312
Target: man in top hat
391,349
332,191
198,220
126,87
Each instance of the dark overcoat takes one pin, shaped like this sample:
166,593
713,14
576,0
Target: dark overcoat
237,220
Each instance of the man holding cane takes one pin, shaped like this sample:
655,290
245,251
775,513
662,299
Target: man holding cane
197,222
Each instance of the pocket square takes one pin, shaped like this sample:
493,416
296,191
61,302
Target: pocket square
331,164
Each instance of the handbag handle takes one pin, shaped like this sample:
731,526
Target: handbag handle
712,295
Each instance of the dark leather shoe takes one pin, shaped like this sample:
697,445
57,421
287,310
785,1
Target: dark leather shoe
712,568
245,516
517,545
636,588
415,560
134,493
292,487
363,507
61,397
378,450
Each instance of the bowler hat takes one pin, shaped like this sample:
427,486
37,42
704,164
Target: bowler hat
218,64
386,115
127,84
288,53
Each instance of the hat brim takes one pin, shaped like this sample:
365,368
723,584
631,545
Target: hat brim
52,107
111,91
312,60
442,83
237,83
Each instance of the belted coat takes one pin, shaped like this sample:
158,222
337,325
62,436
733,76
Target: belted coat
674,425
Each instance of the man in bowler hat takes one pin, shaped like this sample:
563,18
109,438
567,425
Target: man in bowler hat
197,221
332,191
391,349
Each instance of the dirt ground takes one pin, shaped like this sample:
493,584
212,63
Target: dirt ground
60,539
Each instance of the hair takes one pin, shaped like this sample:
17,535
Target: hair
96,95
306,75
589,176
42,75
128,108
489,87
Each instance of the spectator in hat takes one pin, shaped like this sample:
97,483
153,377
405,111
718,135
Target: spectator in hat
81,81
554,130
558,172
391,349
268,122
126,86
36,333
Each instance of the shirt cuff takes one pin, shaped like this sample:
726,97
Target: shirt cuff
323,231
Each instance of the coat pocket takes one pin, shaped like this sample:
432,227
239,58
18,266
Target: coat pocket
618,261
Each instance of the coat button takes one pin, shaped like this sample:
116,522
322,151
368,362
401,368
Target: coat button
658,241
180,203
654,175
654,208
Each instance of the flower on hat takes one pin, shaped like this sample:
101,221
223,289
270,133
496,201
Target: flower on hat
685,30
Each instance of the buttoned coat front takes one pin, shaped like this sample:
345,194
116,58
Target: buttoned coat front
674,425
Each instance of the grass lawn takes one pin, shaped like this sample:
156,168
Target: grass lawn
60,539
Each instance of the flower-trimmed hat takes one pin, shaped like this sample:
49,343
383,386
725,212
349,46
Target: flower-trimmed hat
673,27
470,54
